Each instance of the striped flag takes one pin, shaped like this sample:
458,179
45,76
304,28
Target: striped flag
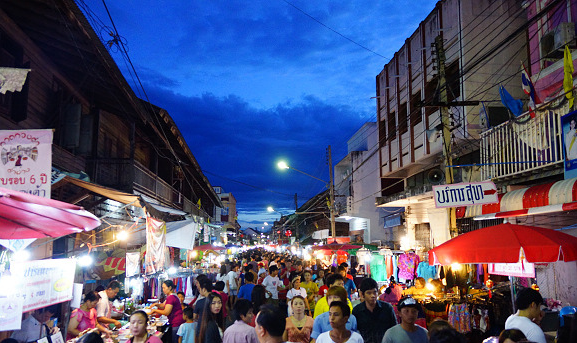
529,89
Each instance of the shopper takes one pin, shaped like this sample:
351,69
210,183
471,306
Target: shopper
273,285
322,305
170,308
296,289
138,328
186,331
245,290
205,289
241,331
339,313
322,321
407,331
528,303
258,296
211,327
270,325
299,326
374,317
311,287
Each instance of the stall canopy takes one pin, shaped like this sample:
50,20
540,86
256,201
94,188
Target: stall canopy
23,216
506,243
545,198
206,247
334,246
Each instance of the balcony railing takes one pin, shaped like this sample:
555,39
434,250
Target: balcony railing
523,146
128,175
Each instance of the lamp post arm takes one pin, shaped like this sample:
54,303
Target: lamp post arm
314,177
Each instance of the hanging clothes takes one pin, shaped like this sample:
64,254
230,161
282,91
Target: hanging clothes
395,267
378,270
389,265
426,271
460,318
408,263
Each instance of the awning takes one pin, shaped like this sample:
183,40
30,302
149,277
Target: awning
181,234
546,198
122,197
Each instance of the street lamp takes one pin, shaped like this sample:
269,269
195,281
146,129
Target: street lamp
330,185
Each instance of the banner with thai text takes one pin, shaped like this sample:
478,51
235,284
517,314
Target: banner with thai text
26,161
520,269
44,282
465,194
10,313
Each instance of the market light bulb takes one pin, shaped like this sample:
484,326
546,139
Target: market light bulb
122,235
456,267
270,209
85,261
194,254
171,270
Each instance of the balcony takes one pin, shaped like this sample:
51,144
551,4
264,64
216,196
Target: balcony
130,176
513,150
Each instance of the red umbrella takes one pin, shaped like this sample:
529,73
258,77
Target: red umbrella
206,247
334,246
506,243
23,215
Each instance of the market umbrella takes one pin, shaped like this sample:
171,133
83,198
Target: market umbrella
207,247
334,246
23,216
506,243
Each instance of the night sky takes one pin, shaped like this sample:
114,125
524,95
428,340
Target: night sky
252,82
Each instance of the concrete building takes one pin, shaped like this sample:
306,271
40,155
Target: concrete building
227,216
482,40
356,181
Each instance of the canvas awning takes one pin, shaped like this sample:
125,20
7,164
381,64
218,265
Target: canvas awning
546,198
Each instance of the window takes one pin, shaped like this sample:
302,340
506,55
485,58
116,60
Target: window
13,104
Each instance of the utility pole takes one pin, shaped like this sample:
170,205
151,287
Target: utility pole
332,195
446,121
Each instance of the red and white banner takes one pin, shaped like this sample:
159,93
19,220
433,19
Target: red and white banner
26,161
155,259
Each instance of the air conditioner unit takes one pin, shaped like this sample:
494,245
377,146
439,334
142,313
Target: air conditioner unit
553,42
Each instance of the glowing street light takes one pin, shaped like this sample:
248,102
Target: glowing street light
122,235
330,185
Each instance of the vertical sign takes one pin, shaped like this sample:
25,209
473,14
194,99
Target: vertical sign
569,125
26,161
155,258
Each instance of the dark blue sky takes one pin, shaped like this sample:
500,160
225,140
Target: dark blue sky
253,82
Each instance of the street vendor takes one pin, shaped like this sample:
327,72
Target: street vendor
170,308
35,326
85,318
104,306
418,289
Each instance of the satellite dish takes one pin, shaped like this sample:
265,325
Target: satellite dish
435,176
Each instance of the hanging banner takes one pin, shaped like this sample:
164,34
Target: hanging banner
569,125
155,258
10,313
26,161
44,282
132,264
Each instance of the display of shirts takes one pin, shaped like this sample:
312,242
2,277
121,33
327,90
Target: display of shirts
426,271
407,264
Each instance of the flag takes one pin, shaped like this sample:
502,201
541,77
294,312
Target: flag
514,105
529,89
568,75
198,203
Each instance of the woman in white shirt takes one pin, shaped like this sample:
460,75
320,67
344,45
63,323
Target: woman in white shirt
221,276
295,290
339,313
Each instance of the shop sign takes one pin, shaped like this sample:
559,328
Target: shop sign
520,269
26,157
44,282
465,194
10,313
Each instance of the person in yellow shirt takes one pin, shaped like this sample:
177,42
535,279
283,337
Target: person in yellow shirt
332,280
311,287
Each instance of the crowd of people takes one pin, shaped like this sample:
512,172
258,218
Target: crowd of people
267,297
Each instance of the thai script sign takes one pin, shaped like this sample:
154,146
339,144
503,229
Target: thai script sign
465,194
26,161
44,282
520,269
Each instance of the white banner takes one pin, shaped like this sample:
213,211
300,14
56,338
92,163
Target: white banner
26,161
10,313
155,257
43,283
465,194
520,269
132,264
